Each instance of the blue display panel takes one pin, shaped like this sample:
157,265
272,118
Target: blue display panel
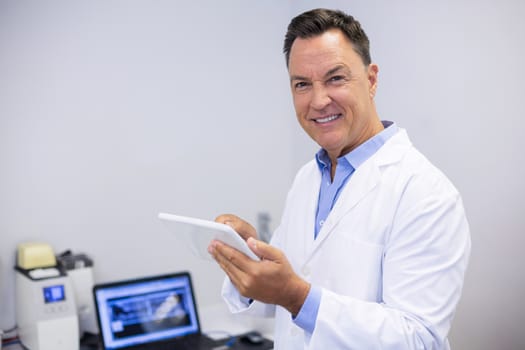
54,294
144,311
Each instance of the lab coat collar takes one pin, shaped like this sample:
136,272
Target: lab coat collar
362,182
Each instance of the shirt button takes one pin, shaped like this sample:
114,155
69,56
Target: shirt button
321,223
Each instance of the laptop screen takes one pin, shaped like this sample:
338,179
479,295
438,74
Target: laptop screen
146,310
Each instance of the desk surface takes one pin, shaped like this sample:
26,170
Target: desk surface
217,318
217,322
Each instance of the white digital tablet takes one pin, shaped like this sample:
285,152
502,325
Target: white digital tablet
199,233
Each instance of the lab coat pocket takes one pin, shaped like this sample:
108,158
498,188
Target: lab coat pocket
360,264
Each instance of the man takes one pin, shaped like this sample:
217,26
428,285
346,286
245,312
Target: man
373,244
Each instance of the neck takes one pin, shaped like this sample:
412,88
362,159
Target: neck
333,166
373,129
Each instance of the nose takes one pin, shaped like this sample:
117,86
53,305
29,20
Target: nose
320,97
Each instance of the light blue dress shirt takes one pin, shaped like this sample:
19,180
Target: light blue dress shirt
329,192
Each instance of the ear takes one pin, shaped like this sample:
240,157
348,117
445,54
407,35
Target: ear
373,70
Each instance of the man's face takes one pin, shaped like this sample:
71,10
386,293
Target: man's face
333,92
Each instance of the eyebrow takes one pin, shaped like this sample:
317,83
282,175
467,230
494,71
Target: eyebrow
337,69
297,77
330,72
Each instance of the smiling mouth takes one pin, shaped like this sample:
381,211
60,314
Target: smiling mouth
327,119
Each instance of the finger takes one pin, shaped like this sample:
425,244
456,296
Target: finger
231,257
224,218
263,250
225,262
243,228
229,263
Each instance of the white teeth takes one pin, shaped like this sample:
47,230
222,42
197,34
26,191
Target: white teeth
328,119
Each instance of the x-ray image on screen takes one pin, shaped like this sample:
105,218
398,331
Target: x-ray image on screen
146,313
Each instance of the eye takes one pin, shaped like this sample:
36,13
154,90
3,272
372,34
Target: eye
301,85
337,79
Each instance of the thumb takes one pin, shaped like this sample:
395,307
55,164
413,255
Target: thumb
263,250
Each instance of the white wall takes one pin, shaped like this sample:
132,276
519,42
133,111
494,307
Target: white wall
112,111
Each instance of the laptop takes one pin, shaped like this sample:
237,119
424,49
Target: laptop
150,313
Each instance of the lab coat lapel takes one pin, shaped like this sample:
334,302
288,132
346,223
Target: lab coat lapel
362,182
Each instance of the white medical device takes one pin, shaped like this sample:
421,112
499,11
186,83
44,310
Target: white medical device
79,269
46,312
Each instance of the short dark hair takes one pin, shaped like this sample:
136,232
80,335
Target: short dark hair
315,22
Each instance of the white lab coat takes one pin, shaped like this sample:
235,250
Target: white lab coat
390,258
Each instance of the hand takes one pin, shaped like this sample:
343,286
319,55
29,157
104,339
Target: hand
271,280
243,228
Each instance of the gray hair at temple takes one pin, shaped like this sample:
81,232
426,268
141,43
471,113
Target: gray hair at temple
315,22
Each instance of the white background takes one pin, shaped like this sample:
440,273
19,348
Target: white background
111,111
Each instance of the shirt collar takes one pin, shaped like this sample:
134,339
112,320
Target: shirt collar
364,151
